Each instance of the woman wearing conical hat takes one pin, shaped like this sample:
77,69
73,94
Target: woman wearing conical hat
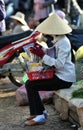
57,56
19,24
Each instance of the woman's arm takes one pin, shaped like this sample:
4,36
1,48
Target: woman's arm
62,53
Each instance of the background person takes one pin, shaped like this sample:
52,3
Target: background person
17,24
41,10
73,10
2,17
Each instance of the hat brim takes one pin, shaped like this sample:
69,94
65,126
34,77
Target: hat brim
19,19
54,25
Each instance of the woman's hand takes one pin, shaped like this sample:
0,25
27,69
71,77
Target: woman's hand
37,49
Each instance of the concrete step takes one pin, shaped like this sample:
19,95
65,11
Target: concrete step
69,108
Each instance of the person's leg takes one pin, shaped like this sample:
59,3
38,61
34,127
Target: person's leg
35,103
32,87
37,109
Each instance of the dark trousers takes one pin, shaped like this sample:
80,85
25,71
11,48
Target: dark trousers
32,87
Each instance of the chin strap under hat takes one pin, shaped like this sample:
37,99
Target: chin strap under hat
54,25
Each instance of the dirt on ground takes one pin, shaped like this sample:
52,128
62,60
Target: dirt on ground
12,116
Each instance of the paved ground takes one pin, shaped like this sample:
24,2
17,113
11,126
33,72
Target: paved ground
13,116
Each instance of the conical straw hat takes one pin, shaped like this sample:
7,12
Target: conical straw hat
54,25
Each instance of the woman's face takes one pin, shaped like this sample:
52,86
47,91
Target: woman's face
49,39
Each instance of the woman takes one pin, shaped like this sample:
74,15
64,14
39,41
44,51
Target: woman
59,57
41,10
18,24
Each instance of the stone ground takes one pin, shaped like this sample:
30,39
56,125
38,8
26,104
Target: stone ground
12,116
